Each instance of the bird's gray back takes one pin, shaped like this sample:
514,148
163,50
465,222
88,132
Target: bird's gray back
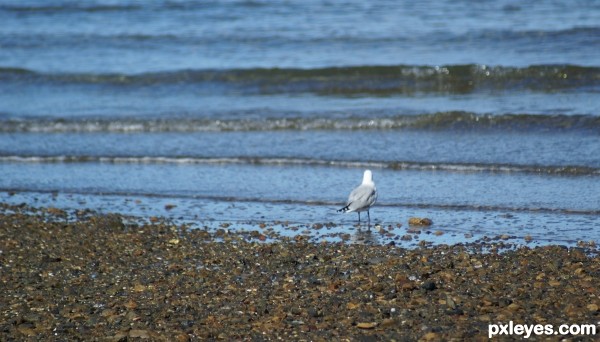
362,197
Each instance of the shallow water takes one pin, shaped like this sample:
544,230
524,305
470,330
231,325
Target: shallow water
484,117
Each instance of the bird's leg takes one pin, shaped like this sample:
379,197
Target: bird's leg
369,218
358,217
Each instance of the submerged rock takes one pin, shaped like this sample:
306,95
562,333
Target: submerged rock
418,221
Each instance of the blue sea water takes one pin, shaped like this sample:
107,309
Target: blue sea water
482,115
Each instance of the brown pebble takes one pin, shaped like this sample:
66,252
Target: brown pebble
363,325
513,307
139,288
26,330
182,337
130,305
406,237
431,336
388,323
139,333
554,283
352,306
414,230
418,221
56,211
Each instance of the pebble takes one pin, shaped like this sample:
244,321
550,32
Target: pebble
166,284
418,221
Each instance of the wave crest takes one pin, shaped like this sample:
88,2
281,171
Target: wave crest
434,121
567,170
351,80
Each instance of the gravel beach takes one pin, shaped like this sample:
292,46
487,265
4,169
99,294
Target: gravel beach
97,277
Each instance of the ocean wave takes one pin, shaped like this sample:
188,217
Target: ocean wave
574,34
577,36
559,170
69,8
374,80
455,120
76,7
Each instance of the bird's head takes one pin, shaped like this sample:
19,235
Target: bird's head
368,177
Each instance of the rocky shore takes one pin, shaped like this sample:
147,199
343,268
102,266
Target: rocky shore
98,278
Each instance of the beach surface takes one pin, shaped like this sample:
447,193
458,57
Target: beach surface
100,277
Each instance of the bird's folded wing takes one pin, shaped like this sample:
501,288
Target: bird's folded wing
362,196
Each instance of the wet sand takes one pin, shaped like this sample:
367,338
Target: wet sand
99,277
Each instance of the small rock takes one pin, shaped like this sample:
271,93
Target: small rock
428,286
418,221
414,230
431,336
314,312
513,307
139,333
450,302
56,211
370,325
388,323
352,306
554,283
25,329
130,305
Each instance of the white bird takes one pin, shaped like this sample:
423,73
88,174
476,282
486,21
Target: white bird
362,197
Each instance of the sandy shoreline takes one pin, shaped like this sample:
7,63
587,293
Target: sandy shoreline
97,278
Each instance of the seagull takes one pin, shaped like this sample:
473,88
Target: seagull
362,197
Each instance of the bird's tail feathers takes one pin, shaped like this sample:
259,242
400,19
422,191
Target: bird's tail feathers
344,209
